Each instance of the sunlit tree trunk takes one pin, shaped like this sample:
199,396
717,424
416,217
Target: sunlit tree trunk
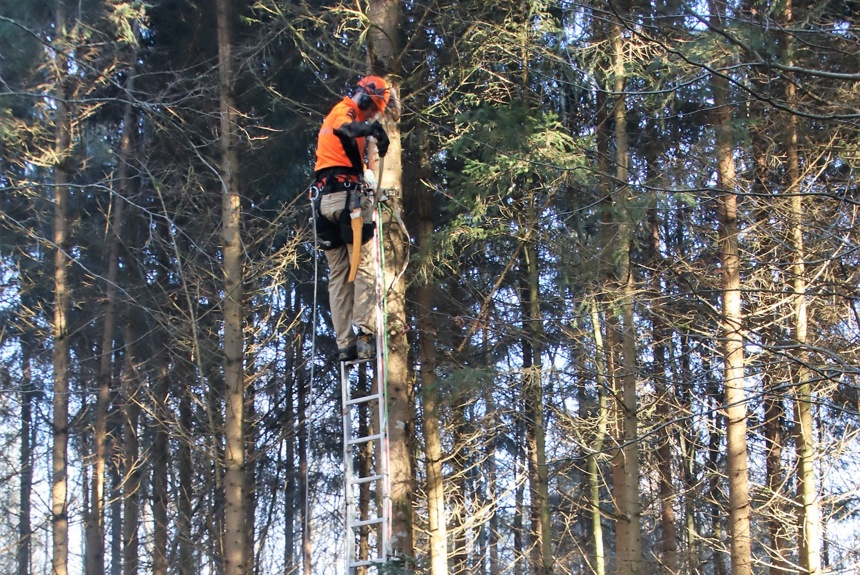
59,326
731,334
457,496
626,462
605,347
593,462
382,52
809,512
234,536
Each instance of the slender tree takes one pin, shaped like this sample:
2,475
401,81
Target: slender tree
131,453
731,334
235,561
593,462
809,513
430,395
59,326
25,530
626,460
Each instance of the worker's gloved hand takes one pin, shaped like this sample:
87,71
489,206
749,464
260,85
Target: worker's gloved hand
381,139
369,179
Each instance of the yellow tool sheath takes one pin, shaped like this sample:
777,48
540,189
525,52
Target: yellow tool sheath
357,224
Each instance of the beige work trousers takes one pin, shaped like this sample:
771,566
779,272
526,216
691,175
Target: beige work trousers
352,303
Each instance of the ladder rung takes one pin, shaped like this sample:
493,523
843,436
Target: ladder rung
365,439
367,479
359,360
363,399
374,521
366,562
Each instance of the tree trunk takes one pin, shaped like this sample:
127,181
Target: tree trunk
458,523
773,423
518,528
661,337
429,390
809,511
773,372
187,550
731,329
234,536
541,557
716,432
384,29
493,424
628,530
606,359
160,447
59,327
250,435
116,482
593,468
130,456
25,531
291,355
96,524
689,453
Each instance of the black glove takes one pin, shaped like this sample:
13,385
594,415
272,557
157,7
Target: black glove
381,139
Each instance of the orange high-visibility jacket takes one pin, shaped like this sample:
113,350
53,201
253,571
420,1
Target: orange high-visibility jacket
338,150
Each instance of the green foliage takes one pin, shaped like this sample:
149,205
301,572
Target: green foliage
504,151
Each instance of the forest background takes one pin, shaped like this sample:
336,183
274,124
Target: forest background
622,307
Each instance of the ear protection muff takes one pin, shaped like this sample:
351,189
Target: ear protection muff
364,100
372,90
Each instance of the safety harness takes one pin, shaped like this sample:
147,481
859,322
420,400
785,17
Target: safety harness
335,234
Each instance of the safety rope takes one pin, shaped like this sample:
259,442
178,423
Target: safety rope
306,527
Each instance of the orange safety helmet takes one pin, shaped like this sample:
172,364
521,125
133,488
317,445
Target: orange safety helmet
373,89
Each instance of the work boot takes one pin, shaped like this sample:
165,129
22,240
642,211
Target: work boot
347,354
366,346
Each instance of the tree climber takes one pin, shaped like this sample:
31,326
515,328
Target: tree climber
343,199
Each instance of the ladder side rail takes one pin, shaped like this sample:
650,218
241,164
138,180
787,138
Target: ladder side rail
382,390
349,471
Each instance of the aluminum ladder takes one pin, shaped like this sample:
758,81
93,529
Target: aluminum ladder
367,486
